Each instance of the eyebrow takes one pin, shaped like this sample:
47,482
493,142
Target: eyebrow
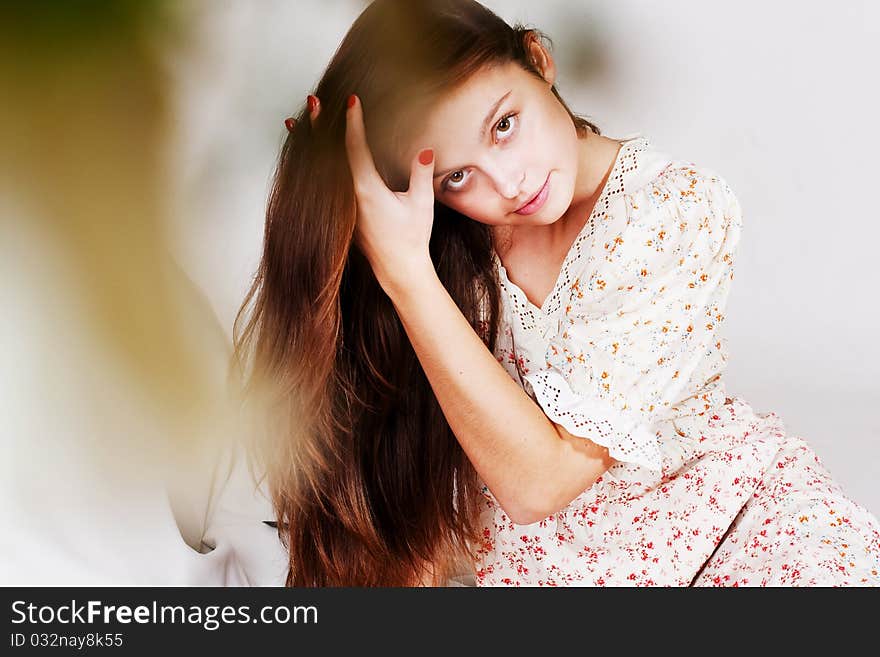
483,129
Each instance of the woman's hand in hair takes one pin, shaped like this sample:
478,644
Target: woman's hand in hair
393,228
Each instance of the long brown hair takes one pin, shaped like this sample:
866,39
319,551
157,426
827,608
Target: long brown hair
369,484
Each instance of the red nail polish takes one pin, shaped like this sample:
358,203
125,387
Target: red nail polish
426,156
352,100
313,103
290,123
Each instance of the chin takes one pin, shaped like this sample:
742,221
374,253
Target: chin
555,213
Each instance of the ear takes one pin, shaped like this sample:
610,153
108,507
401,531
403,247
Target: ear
541,57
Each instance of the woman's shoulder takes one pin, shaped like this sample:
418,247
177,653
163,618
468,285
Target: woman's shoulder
660,178
663,214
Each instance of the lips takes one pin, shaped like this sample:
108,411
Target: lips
534,204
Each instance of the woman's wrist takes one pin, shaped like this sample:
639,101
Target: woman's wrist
407,277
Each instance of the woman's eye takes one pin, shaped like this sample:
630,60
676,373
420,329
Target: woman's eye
505,126
453,181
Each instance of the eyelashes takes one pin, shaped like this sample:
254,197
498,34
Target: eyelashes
449,185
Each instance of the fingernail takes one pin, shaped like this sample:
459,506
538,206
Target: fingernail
352,100
290,123
426,156
313,103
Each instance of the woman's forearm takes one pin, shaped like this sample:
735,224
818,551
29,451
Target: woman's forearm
531,467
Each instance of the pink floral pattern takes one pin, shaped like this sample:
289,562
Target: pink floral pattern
626,351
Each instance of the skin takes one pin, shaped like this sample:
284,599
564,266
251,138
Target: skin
533,466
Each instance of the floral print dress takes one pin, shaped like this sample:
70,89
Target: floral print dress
627,351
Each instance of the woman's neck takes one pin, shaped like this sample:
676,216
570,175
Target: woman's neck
596,157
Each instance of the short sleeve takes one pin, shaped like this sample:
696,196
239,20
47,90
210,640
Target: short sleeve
640,336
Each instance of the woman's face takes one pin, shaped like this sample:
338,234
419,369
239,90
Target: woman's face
497,139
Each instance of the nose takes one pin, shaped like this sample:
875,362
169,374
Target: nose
507,181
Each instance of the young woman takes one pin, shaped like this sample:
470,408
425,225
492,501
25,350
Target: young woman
492,335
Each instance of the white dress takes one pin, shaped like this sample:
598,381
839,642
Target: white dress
627,351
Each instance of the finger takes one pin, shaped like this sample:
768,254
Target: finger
314,107
421,178
360,159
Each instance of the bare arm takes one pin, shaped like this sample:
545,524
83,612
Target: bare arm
533,466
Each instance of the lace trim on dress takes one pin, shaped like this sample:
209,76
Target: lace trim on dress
626,438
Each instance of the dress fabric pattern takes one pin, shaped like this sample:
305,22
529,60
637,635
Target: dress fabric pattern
626,351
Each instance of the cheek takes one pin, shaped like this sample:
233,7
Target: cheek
470,199
478,204
469,205
555,135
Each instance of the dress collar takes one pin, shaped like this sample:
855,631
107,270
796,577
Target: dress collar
625,173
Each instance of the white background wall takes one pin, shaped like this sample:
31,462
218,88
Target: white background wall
780,99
